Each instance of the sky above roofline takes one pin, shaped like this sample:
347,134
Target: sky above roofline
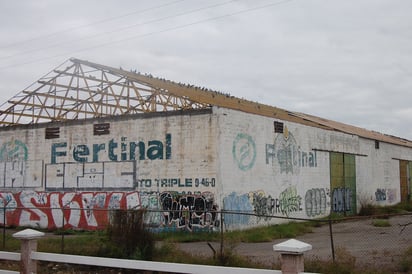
348,61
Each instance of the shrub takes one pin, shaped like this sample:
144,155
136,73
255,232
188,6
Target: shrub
127,236
405,263
367,210
344,264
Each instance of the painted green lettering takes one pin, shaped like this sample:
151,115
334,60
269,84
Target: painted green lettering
188,182
311,159
133,147
79,151
123,146
304,157
168,146
112,146
155,150
55,153
96,149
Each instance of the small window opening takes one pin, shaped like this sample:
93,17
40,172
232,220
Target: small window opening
101,129
278,127
376,144
52,133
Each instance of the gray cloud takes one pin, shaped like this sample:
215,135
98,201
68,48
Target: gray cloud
343,60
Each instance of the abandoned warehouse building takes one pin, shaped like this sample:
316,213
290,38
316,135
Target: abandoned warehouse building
87,138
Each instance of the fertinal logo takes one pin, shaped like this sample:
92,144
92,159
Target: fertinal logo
287,152
244,151
12,151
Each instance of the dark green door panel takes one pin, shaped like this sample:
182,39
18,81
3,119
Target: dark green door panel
343,183
403,172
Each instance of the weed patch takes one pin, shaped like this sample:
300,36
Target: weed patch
381,223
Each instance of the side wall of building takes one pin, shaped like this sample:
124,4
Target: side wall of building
302,172
188,165
378,173
156,161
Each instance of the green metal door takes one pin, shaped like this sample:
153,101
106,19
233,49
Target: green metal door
404,180
343,183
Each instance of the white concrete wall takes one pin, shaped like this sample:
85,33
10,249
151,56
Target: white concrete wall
80,160
80,171
378,174
207,160
256,178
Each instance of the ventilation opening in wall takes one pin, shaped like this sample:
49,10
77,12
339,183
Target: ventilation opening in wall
52,133
278,127
376,144
101,129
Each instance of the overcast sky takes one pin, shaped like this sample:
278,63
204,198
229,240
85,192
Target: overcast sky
344,60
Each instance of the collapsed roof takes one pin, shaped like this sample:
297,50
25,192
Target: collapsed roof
80,89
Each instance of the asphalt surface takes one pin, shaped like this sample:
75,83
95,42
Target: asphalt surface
359,240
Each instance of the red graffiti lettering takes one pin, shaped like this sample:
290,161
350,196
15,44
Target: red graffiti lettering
85,210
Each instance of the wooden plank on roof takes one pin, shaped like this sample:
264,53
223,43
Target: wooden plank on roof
354,130
204,96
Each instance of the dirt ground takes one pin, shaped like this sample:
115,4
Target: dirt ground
367,244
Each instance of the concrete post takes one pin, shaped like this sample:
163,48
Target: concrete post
28,238
291,252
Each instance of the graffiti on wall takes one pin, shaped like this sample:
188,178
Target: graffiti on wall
290,201
316,202
13,166
383,194
237,203
286,153
91,210
264,206
83,176
70,209
13,174
244,151
287,202
12,151
341,200
380,194
189,211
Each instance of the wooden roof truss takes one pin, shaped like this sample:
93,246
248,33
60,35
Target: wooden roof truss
81,91
84,90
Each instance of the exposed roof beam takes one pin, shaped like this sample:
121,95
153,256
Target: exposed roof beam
85,90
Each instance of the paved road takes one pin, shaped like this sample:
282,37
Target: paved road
368,244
